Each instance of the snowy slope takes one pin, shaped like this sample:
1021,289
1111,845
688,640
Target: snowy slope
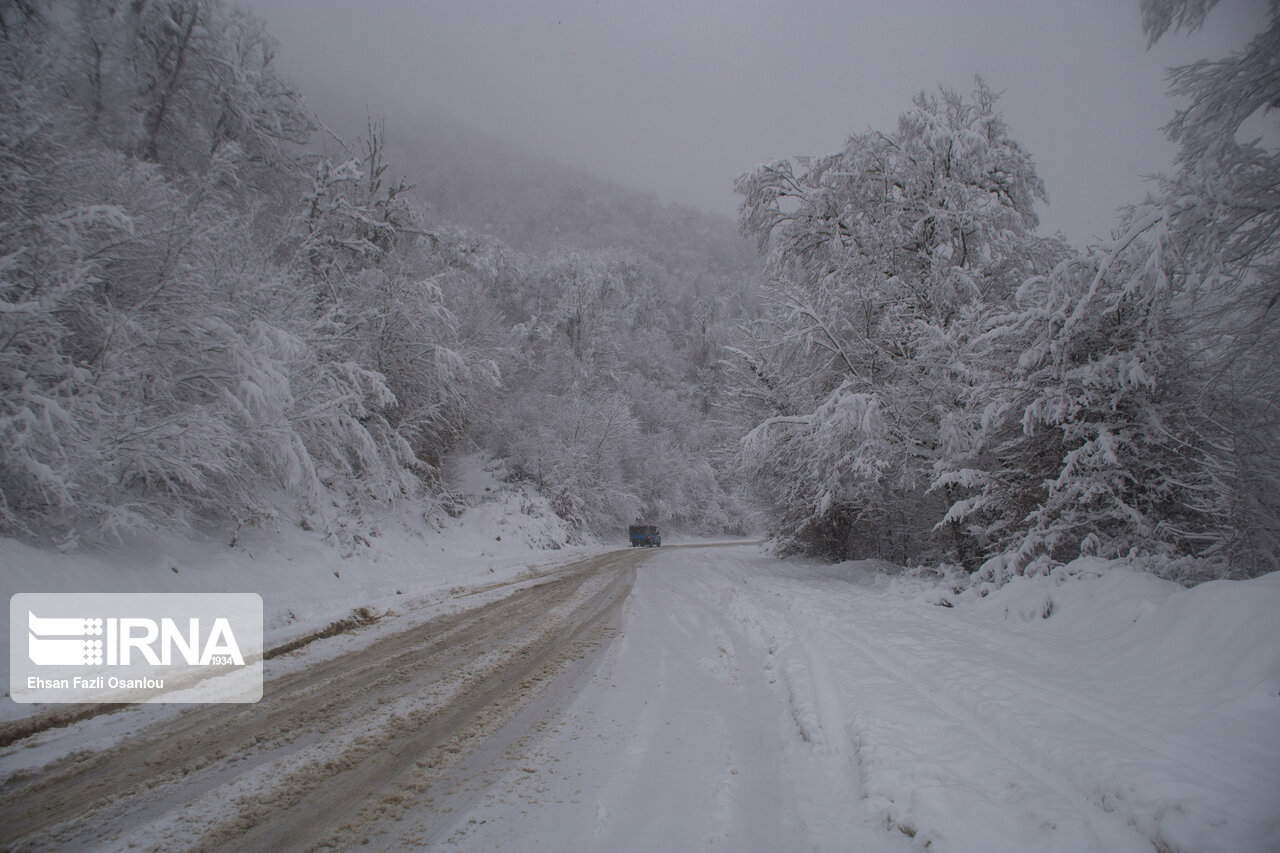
758,704
305,583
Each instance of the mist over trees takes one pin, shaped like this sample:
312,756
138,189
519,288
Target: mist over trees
197,312
215,312
934,381
210,317
608,313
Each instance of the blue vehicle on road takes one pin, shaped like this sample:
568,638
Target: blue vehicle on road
646,535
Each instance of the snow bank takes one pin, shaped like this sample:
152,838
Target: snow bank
1097,708
506,529
1221,637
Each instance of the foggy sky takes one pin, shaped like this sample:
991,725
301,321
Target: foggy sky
678,98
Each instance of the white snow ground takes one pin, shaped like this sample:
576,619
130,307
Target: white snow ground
753,704
506,531
757,704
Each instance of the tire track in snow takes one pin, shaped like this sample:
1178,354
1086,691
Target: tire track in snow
368,715
818,758
675,745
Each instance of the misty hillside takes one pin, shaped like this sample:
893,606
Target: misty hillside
535,204
219,316
216,315
608,313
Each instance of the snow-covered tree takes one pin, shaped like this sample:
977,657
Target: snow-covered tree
203,322
874,254
1133,401
594,333
162,358
1068,443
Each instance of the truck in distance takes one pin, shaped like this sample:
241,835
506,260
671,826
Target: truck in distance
645,535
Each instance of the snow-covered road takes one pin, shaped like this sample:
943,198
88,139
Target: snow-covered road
753,704
698,697
681,740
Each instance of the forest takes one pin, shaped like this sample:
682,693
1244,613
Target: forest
214,312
